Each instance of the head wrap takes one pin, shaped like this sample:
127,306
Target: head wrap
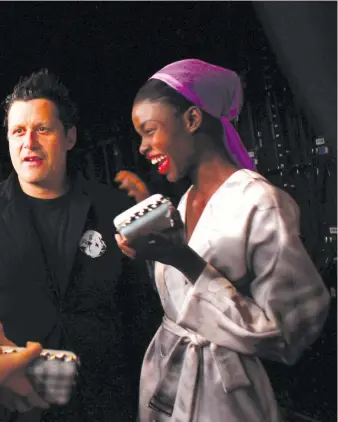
217,91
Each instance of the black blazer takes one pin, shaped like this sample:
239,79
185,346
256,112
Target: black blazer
106,312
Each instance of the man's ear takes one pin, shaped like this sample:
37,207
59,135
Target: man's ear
193,118
71,138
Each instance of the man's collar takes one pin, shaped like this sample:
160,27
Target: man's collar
11,189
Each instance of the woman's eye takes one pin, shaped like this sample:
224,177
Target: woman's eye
150,131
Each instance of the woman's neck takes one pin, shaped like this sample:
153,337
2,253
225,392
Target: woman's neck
212,171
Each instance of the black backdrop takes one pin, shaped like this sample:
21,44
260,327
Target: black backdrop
303,35
286,54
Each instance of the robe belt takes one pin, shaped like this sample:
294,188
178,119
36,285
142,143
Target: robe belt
176,391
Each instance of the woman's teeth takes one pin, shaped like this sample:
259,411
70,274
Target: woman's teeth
157,160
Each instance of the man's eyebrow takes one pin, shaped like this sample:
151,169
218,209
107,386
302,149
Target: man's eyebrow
39,123
42,123
15,126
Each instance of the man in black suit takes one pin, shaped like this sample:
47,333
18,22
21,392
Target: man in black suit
64,282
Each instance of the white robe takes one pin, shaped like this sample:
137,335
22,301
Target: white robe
259,296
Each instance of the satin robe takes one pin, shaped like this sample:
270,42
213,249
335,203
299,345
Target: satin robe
259,296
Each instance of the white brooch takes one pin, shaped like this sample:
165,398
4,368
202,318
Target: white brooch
92,244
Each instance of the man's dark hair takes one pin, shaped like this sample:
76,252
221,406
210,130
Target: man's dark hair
43,84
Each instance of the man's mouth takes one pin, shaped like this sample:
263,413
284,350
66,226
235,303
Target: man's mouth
32,159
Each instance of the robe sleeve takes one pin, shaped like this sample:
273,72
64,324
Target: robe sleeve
288,302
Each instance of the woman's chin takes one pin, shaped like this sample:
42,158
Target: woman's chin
174,177
170,178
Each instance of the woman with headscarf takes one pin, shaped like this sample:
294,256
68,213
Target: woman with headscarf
239,285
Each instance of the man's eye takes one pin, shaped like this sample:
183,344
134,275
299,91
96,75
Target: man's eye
18,131
150,132
43,129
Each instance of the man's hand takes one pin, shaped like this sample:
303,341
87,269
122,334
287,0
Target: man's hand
13,367
133,185
3,339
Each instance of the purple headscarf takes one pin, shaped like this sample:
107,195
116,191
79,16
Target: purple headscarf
214,89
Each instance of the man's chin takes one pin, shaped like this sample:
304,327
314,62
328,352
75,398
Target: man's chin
31,180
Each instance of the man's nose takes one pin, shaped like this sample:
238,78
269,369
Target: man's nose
30,140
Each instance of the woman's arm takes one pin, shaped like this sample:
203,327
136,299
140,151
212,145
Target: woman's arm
289,301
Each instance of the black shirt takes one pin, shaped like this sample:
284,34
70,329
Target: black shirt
51,220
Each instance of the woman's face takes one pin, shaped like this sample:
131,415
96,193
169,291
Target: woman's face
167,140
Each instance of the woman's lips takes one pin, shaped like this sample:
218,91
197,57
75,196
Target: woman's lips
161,161
164,166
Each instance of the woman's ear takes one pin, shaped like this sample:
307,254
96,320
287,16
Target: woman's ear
193,118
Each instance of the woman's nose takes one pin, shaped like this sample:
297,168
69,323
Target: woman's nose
144,148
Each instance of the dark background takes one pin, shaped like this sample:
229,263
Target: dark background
286,54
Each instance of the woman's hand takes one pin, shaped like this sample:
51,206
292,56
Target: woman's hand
168,248
163,247
133,185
